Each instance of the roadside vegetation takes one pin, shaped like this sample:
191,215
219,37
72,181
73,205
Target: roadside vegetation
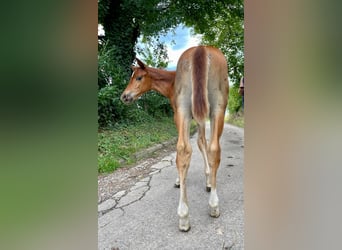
237,119
236,111
118,145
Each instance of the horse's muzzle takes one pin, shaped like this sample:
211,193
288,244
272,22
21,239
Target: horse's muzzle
126,98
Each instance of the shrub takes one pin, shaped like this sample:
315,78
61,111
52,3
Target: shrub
111,82
235,100
110,108
155,105
110,72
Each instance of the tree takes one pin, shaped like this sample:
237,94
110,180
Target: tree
221,24
229,37
153,52
125,20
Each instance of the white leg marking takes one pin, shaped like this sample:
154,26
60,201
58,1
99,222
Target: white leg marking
177,184
207,175
214,203
183,210
183,213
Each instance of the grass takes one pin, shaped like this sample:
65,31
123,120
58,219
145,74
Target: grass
237,119
117,146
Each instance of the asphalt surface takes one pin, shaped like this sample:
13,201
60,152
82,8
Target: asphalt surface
145,216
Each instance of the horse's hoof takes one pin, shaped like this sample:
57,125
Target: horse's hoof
184,224
208,189
185,229
177,185
214,212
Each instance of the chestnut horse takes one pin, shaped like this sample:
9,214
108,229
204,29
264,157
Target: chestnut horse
197,90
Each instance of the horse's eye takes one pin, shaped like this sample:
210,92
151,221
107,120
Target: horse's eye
138,78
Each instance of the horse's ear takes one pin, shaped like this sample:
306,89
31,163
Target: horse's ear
140,63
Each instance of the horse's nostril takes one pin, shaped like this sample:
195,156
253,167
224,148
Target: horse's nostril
126,98
123,97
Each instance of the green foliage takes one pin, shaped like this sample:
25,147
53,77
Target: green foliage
226,31
125,20
155,105
154,52
111,111
235,100
237,119
110,72
220,23
109,107
111,82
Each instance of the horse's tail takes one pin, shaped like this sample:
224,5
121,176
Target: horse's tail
199,98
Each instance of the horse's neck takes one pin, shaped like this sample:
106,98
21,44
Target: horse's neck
163,81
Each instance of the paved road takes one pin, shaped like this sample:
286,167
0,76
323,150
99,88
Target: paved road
145,216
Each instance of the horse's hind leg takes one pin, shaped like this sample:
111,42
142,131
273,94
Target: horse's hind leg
202,145
214,153
184,152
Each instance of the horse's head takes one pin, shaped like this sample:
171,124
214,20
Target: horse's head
139,83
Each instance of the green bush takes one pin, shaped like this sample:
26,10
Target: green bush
110,108
235,100
112,111
110,72
155,104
